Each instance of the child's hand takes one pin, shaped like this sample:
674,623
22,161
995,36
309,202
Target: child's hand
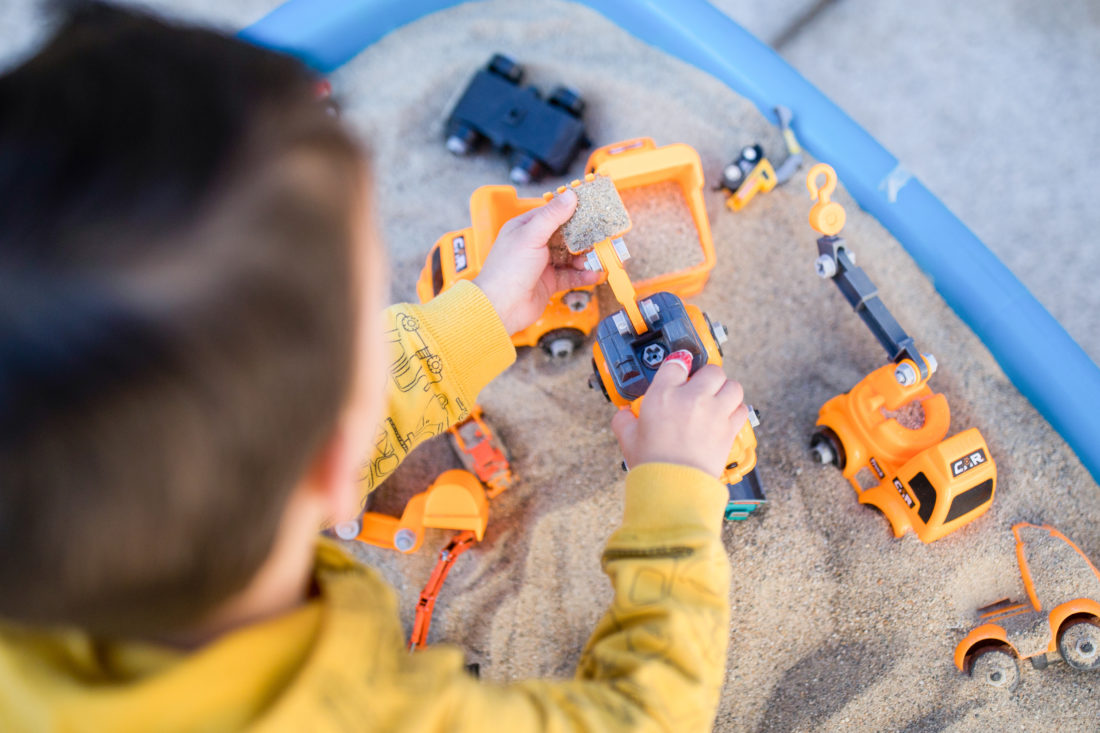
690,423
517,276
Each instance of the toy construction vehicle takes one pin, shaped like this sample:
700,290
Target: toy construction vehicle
539,135
887,434
569,316
632,343
1059,619
752,173
457,499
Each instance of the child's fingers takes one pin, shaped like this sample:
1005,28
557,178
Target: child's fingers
708,380
546,219
565,279
730,396
671,374
623,426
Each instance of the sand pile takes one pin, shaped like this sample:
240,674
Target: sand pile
836,625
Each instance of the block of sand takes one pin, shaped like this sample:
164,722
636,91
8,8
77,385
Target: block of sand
600,214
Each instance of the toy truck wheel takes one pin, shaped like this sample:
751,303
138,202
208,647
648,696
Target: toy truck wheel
506,67
825,448
561,342
525,169
462,140
567,99
1079,644
997,668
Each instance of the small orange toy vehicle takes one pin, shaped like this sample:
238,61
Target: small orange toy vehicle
1060,617
482,453
569,316
639,162
887,433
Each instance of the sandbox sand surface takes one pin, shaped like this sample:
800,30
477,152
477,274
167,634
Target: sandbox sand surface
836,625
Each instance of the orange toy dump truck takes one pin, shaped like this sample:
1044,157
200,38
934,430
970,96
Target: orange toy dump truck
887,433
1060,617
569,316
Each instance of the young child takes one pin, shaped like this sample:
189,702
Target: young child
191,378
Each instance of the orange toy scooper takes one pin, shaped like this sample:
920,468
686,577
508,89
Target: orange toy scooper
887,434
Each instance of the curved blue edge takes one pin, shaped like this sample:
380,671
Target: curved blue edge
1036,353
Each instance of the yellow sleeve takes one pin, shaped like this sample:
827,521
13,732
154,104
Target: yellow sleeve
656,660
439,356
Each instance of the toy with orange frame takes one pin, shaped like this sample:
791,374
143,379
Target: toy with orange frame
1060,620
887,434
632,343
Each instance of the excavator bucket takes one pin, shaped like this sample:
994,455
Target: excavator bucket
457,501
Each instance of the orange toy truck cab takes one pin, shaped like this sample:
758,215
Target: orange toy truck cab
639,162
569,316
456,500
1060,617
909,472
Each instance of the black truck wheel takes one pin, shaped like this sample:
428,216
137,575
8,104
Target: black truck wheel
997,668
504,66
567,99
1079,644
826,448
561,342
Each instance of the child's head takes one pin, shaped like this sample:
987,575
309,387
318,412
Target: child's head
181,316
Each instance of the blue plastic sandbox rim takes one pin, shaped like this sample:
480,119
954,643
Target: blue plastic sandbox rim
1036,353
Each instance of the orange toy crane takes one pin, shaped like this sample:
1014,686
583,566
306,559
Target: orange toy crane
1060,618
887,433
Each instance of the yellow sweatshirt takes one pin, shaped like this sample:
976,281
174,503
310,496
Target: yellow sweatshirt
338,663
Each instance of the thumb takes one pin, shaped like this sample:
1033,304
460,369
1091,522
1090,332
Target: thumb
547,218
674,371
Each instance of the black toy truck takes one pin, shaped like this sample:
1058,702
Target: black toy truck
539,135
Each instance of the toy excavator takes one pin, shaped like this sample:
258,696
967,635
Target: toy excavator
1060,618
457,499
632,343
887,433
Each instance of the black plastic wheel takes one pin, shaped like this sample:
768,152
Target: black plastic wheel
996,667
1079,644
567,99
595,380
506,67
525,169
825,436
561,342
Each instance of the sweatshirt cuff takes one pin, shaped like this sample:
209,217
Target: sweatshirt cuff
660,495
470,335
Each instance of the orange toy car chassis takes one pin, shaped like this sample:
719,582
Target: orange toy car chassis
1061,615
919,480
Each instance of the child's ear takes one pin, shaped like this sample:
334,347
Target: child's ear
332,479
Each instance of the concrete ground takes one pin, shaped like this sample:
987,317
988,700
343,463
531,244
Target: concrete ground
993,105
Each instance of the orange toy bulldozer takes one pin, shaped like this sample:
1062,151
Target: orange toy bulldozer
1060,618
887,434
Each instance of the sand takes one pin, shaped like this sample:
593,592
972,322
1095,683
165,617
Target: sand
664,237
599,214
836,625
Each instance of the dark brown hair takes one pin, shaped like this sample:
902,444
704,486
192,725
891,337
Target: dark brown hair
176,315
